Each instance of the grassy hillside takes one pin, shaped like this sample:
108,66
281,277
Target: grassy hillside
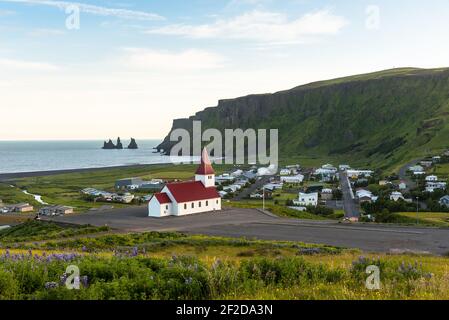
379,119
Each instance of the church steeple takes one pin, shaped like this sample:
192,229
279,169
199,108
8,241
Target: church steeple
205,173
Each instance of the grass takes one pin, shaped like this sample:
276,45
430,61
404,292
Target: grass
178,266
428,218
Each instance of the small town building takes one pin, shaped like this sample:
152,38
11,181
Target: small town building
185,198
128,183
396,196
425,164
402,186
20,207
55,210
355,174
307,199
416,168
293,179
344,167
432,186
444,201
327,194
431,178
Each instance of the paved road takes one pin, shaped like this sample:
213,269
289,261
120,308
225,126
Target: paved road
254,224
254,187
350,206
402,173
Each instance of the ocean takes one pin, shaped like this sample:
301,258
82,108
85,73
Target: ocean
33,156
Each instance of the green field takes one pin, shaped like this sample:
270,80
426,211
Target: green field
175,266
64,189
428,218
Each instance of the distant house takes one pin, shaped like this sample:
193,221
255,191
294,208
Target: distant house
273,186
426,164
365,196
436,159
152,186
396,196
20,207
123,198
402,186
416,168
293,179
431,178
128,183
225,178
307,199
344,167
432,186
419,173
444,201
355,174
56,210
383,182
327,194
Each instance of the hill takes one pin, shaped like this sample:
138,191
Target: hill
380,119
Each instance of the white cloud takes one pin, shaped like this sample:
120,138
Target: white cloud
27,65
4,13
92,9
192,59
262,26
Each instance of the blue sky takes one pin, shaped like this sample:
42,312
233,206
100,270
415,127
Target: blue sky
133,66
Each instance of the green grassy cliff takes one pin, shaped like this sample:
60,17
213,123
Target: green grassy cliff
380,119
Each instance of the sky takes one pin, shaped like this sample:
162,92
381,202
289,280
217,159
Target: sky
102,69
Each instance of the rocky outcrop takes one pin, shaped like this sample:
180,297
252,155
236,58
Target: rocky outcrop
111,146
133,144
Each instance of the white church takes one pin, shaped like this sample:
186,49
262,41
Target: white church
180,199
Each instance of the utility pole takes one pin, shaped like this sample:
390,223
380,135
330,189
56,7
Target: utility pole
417,210
263,197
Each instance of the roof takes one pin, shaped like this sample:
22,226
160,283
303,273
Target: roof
191,191
162,198
205,167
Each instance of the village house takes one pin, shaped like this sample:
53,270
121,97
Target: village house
431,178
355,174
55,210
285,172
344,167
444,201
402,186
185,198
293,179
436,159
425,164
20,207
432,186
365,196
396,196
307,199
225,178
327,194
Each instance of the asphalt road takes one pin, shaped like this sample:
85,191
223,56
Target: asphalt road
252,223
254,187
402,173
350,206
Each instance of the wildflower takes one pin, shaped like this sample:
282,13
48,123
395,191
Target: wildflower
51,285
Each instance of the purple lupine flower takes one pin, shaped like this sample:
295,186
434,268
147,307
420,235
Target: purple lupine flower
51,285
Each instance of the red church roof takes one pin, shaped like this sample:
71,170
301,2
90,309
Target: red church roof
192,191
162,198
205,167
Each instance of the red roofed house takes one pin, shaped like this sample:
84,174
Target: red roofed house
180,199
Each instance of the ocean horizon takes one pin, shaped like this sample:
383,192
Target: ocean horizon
49,155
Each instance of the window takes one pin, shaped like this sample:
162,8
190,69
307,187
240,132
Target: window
166,207
199,204
217,201
207,203
185,206
193,205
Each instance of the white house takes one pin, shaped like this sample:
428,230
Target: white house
402,186
365,196
293,179
444,201
432,186
357,173
179,199
307,199
416,168
431,178
344,167
396,196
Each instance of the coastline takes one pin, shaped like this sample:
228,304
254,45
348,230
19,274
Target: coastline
17,175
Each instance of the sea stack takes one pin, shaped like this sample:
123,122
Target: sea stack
109,145
133,144
119,144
